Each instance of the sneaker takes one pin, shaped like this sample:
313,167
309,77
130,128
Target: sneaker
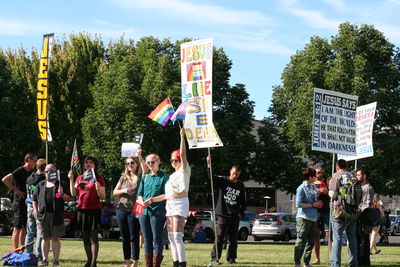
56,263
232,261
378,251
44,263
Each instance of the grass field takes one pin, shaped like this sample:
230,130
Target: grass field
249,254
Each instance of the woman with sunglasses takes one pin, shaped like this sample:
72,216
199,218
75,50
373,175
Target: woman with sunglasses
128,223
151,194
89,193
48,205
176,193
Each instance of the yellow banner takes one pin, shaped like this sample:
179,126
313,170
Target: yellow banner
42,86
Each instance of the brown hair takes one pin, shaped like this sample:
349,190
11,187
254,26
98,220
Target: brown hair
133,177
308,173
41,164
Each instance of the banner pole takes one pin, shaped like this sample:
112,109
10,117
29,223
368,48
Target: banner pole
331,214
47,152
355,164
213,209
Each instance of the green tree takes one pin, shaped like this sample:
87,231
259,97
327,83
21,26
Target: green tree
18,127
73,68
135,79
276,163
358,61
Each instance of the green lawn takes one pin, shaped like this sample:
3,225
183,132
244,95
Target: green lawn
249,254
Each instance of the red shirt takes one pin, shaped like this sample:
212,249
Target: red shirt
87,194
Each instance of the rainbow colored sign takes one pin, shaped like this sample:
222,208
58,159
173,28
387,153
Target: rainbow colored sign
196,77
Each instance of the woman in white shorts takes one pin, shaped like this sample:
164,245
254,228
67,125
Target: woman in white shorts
176,193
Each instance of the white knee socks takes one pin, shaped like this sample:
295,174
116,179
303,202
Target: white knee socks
177,246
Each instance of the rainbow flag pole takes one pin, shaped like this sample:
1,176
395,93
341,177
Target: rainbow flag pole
163,112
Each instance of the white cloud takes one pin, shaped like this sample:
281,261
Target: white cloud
16,28
198,13
261,42
337,4
391,32
315,19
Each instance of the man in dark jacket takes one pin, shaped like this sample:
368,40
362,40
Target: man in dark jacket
230,209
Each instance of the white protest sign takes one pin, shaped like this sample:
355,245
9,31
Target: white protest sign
196,78
334,122
365,124
129,150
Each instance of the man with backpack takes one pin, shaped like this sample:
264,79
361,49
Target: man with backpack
346,192
33,226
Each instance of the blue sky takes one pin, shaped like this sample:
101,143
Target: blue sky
259,36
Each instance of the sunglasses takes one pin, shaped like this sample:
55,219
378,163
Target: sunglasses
174,160
130,163
151,162
320,172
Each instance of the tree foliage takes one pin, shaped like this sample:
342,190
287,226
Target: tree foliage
358,61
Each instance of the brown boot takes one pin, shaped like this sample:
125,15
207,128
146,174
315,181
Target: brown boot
149,260
157,259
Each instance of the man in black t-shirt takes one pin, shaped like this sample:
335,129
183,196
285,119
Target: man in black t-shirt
230,209
16,181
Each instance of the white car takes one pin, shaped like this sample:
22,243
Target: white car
276,226
205,218
394,224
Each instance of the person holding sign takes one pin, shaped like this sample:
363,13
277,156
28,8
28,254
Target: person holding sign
90,188
230,209
151,195
176,193
128,223
48,205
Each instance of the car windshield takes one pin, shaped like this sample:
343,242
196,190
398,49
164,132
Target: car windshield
249,216
392,218
267,218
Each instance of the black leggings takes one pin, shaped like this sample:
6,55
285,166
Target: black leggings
91,243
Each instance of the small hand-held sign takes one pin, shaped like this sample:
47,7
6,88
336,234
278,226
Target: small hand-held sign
138,208
89,175
138,138
52,176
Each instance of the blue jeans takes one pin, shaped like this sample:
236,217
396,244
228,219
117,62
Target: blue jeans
129,228
31,232
338,227
152,229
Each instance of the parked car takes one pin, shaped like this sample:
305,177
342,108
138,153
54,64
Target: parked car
394,224
205,218
276,226
250,217
70,220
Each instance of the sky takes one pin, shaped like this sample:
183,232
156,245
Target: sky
259,36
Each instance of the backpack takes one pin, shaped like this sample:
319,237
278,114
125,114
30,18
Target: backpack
350,193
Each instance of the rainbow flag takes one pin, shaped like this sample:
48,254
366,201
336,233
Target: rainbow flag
75,164
163,112
180,113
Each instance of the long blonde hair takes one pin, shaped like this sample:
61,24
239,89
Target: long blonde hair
133,177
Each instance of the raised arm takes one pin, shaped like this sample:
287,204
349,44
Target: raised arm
183,149
143,165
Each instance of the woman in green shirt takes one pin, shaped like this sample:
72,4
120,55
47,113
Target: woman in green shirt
151,194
